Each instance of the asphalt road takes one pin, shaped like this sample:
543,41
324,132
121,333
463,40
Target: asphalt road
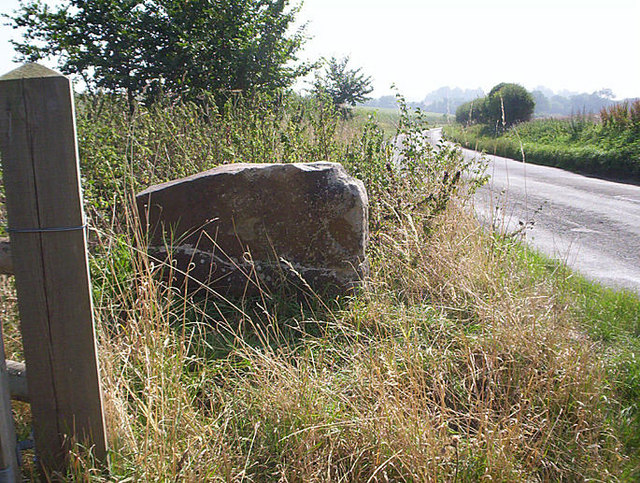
591,224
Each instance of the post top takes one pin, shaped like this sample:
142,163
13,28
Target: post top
30,70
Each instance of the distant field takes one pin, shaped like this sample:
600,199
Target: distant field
388,118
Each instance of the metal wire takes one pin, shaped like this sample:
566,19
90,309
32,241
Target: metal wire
47,230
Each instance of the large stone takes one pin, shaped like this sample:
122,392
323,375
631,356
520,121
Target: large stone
242,226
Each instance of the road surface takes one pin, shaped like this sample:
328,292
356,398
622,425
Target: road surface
591,224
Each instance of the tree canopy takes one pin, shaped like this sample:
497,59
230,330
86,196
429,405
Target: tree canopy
345,87
472,111
166,46
508,104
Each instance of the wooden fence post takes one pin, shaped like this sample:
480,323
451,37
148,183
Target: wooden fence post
48,245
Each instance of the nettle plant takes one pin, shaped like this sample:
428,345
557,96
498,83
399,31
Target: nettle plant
426,175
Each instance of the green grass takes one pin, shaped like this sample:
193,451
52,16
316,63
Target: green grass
611,319
578,144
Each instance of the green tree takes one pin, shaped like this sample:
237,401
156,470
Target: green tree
166,46
472,112
508,104
345,87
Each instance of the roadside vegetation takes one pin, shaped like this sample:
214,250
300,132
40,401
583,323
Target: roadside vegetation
464,356
607,145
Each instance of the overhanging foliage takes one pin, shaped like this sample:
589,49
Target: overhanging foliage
154,47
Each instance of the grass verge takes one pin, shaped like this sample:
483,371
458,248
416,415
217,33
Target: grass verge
463,358
577,144
611,319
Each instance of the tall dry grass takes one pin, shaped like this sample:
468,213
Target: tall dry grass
454,362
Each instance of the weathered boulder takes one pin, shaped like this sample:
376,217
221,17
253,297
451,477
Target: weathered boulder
239,227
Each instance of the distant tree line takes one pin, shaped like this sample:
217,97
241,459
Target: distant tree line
557,105
446,100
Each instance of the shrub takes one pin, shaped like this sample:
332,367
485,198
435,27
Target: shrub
505,105
509,104
472,112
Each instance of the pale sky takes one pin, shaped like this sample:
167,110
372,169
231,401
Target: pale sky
420,45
